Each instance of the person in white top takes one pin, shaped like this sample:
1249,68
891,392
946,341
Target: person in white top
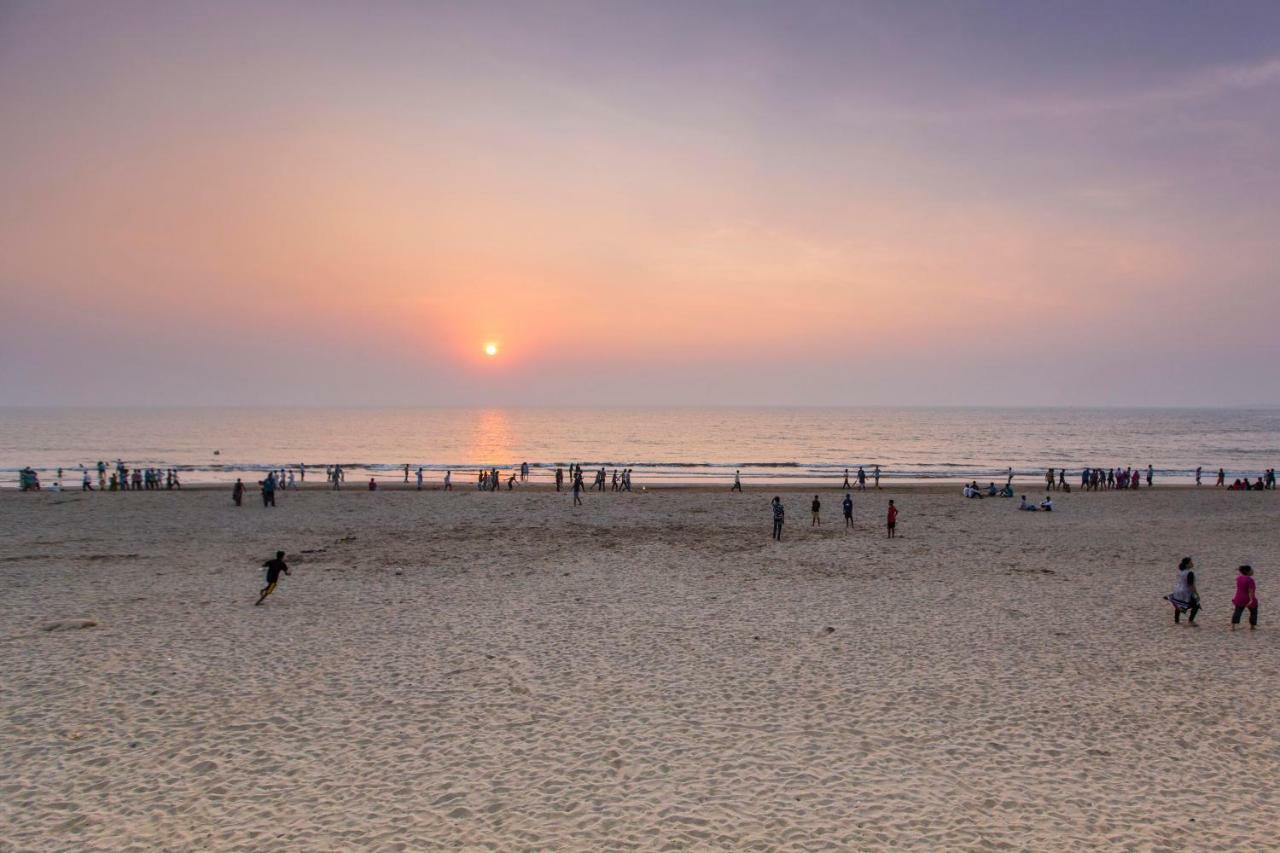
1047,504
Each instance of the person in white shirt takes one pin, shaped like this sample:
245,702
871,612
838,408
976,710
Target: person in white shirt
1047,504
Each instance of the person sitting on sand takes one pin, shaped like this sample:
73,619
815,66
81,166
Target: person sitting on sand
1246,597
1184,597
1007,491
1026,507
992,491
1047,504
779,514
274,568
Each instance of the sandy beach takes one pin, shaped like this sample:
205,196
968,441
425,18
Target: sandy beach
649,671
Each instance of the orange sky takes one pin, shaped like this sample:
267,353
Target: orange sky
310,203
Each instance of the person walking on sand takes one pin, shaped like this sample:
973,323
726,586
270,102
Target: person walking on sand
237,492
1246,597
892,520
1184,597
779,515
846,480
816,507
737,482
274,568
847,506
577,489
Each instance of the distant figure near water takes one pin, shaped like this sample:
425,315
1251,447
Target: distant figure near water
877,476
862,479
737,482
779,514
237,492
846,485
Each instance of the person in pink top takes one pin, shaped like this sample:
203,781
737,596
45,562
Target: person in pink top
1246,597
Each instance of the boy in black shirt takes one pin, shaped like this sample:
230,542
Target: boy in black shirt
274,568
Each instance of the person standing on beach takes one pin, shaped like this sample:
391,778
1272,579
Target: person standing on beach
1062,478
779,515
577,489
1184,597
86,485
448,481
237,492
406,472
1198,470
846,480
269,490
559,478
1150,472
1222,477
274,568
892,520
876,474
302,471
862,479
419,478
848,510
524,472
737,482
1246,597
816,507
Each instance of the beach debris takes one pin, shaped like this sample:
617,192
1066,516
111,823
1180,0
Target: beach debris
69,625
828,630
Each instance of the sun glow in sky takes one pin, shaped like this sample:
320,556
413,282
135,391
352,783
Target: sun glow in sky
816,202
491,349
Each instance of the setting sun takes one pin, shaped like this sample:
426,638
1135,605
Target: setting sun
490,349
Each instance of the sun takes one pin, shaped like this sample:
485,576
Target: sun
491,349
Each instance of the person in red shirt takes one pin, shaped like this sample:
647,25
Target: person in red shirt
893,519
1246,598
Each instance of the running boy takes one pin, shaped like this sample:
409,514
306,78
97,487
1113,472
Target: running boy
274,568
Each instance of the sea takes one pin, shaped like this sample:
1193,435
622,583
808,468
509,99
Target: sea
661,445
